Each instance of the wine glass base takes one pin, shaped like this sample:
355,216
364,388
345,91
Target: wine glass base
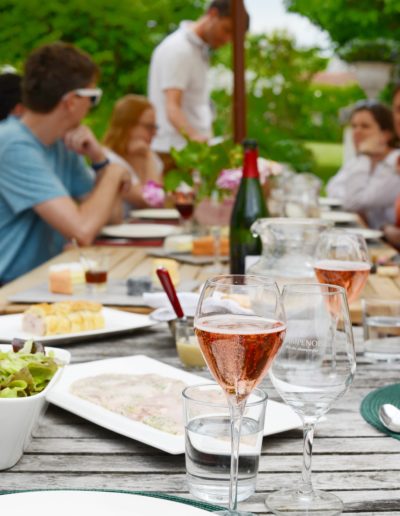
227,512
290,502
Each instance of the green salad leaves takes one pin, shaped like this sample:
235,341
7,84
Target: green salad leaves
26,370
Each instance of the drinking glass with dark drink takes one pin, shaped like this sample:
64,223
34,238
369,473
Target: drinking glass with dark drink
342,259
313,370
240,326
183,199
96,264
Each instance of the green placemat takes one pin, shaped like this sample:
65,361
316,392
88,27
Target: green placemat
372,402
152,494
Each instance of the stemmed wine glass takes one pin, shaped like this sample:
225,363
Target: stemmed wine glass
341,258
314,368
183,199
240,326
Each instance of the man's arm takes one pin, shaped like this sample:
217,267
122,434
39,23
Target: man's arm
83,221
173,103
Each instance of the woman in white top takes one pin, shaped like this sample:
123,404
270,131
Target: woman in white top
127,142
369,183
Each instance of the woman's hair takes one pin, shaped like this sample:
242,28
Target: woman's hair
126,114
381,114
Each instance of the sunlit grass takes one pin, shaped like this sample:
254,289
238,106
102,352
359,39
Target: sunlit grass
329,157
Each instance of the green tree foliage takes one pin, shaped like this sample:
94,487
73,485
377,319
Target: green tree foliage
348,19
119,36
284,105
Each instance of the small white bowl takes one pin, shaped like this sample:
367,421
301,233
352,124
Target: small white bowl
20,416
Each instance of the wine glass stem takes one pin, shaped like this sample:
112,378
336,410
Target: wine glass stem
236,412
308,437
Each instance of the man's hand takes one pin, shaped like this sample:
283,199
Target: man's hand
138,147
82,141
375,146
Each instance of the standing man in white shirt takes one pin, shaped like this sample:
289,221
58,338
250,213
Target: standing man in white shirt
178,86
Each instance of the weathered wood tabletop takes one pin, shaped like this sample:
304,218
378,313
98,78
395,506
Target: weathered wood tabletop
351,458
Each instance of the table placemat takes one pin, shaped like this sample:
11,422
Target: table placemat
153,494
371,404
116,294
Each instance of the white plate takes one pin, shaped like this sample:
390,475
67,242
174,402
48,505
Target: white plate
140,230
279,417
115,321
65,503
162,213
368,234
340,217
329,201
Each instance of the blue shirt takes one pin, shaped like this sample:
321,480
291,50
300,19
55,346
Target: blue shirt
30,174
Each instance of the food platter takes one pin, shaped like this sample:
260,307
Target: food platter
140,231
116,321
156,213
279,417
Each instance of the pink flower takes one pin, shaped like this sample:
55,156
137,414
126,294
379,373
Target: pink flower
229,178
153,193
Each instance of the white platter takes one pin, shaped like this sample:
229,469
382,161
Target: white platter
65,503
140,230
279,417
155,213
367,233
340,217
115,321
330,201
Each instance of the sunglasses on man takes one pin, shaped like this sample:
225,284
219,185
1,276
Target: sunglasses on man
94,94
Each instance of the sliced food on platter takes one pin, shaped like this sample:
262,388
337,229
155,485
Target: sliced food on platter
63,327
102,392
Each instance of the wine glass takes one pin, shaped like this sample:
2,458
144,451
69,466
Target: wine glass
314,368
341,258
183,199
240,326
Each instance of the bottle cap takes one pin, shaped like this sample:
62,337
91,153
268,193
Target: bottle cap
250,144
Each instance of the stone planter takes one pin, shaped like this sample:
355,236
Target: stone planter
372,76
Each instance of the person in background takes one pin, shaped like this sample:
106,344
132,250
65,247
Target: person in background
10,95
128,142
369,183
392,231
178,86
47,193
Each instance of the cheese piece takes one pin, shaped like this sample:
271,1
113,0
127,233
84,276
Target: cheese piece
65,317
66,278
178,244
171,265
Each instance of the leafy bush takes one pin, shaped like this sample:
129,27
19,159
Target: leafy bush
380,49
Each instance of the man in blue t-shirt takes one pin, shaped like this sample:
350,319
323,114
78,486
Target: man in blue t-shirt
47,194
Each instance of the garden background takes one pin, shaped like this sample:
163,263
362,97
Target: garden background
294,119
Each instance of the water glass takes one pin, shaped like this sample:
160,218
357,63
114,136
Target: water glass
96,264
381,324
208,442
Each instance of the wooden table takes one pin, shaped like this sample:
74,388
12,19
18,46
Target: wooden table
136,261
351,458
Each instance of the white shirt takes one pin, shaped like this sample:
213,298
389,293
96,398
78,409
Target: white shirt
370,192
180,62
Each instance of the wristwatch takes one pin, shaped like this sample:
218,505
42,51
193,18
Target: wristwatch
101,164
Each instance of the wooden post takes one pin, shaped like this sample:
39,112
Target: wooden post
239,87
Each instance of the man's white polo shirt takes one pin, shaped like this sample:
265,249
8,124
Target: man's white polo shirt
180,61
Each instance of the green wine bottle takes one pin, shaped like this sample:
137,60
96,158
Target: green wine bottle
249,206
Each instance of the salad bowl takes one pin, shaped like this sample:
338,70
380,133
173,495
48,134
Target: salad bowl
20,415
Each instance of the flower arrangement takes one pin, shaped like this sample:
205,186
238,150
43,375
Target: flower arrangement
213,170
153,193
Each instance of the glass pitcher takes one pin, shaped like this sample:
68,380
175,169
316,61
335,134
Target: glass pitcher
288,246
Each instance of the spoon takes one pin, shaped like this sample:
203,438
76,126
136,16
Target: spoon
389,416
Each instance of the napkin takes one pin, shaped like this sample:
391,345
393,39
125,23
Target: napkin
164,311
